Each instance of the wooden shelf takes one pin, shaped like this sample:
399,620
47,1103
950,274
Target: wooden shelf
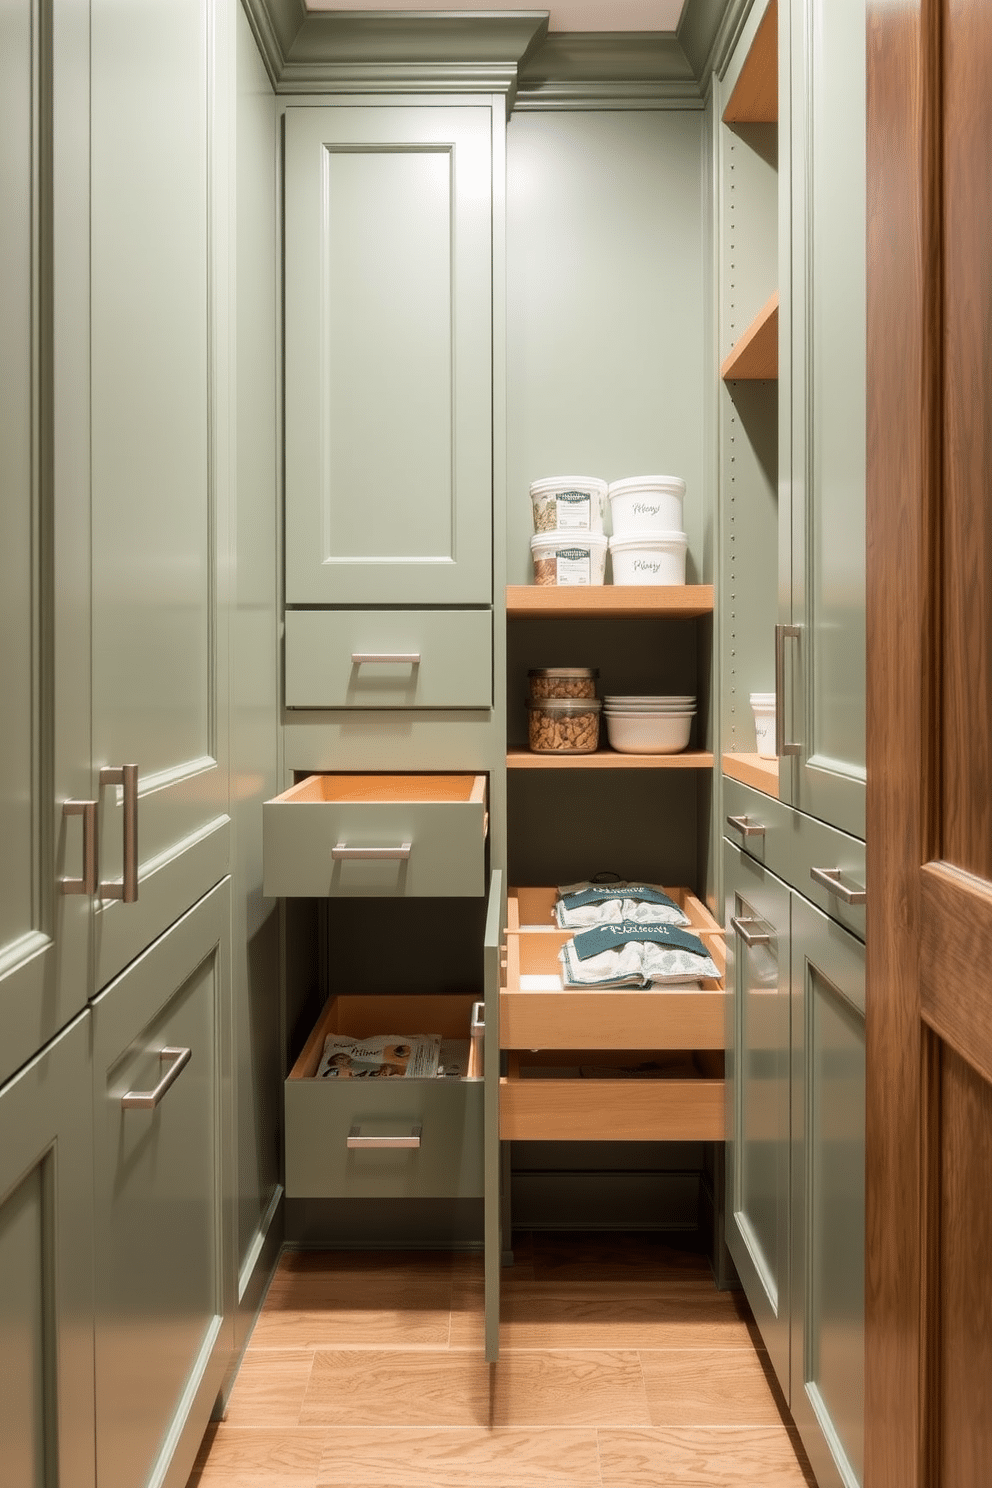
755,96
609,601
755,356
751,769
609,759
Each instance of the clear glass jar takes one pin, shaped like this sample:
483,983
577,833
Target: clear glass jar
563,725
562,682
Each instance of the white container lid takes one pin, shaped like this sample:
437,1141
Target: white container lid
662,540
551,483
762,699
637,484
545,542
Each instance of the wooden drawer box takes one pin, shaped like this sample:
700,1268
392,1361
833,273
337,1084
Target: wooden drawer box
533,909
385,836
320,1114
569,1108
389,659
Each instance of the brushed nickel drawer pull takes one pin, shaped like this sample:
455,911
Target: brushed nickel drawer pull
365,658
125,888
782,633
342,850
746,826
88,883
147,1100
740,925
355,1139
830,880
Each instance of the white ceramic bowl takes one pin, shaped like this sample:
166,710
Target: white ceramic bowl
656,733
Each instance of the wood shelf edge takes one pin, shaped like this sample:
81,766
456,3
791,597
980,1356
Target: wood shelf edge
609,601
754,99
751,769
609,759
754,358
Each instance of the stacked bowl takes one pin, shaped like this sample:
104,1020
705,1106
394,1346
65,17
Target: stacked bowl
649,725
648,545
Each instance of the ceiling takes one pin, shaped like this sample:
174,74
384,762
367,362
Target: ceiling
565,15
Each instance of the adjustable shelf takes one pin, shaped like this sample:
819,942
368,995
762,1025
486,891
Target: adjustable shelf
755,96
609,601
609,759
755,356
751,769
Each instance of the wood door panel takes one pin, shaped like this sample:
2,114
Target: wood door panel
966,591
955,952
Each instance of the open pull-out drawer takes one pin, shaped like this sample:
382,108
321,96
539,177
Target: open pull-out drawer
384,1138
376,835
534,909
536,1017
583,1096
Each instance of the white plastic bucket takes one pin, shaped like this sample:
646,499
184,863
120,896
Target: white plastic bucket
569,503
763,708
649,558
567,558
647,503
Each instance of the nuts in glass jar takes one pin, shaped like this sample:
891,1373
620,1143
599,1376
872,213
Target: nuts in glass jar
563,725
562,682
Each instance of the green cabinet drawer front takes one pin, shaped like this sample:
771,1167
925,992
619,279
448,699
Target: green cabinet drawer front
430,843
447,1164
389,659
792,845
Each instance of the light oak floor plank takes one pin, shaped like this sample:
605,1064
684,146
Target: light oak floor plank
567,1388
336,1299
253,1457
702,1457
708,1387
434,1458
270,1387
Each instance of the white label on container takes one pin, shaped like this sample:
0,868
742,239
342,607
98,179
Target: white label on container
646,508
574,510
646,565
572,566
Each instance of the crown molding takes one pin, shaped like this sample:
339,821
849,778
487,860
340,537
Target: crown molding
507,52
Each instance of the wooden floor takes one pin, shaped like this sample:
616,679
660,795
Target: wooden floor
621,1366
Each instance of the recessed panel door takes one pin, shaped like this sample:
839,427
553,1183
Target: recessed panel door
158,277
388,355
758,1096
828,1195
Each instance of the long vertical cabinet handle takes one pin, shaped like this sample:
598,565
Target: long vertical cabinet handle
126,888
782,634
87,884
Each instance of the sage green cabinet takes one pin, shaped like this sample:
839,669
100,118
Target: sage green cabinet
46,1268
822,449
161,1204
795,1169
759,1096
388,341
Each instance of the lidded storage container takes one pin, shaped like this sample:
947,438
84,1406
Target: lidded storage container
568,558
562,682
569,503
647,503
563,725
649,558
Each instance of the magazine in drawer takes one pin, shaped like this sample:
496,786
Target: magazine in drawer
618,1096
533,1016
384,1137
376,836
533,909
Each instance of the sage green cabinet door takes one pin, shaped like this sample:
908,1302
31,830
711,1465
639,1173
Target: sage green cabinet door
158,281
759,1096
828,1205
44,523
825,663
388,296
162,1220
46,1261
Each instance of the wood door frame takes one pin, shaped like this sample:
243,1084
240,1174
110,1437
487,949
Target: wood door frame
904,262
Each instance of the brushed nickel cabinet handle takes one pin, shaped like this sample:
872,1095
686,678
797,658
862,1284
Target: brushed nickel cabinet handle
746,826
355,1139
126,888
740,925
367,658
342,850
147,1100
88,883
782,634
829,878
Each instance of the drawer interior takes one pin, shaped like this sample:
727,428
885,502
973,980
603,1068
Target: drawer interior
533,909
360,1017
536,954
429,789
